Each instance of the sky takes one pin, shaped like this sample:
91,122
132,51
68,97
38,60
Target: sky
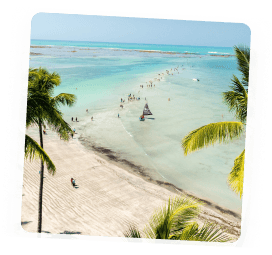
71,27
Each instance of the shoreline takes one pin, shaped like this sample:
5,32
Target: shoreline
103,176
111,156
106,191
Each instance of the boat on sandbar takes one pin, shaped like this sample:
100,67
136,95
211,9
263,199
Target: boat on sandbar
142,118
146,111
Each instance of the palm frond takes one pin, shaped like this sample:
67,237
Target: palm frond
236,99
37,104
210,134
44,81
236,176
64,99
242,54
58,124
209,232
33,150
132,232
172,218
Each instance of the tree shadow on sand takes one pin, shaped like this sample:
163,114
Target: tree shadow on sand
66,235
70,233
25,222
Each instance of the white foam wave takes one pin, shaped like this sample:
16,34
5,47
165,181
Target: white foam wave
127,131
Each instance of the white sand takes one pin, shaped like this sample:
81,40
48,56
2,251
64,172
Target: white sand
107,199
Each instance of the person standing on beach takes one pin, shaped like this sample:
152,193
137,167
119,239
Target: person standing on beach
73,182
118,115
76,119
72,119
92,118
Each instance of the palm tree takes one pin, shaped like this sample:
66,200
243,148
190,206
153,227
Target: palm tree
254,157
30,147
236,100
244,102
176,221
43,108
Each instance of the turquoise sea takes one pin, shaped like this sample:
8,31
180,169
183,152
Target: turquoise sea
100,74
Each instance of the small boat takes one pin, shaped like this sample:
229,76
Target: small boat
195,79
146,110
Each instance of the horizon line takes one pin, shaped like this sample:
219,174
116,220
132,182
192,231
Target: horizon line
134,43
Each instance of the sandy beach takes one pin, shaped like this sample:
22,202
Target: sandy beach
107,198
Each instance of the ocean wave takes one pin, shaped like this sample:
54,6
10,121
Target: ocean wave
127,131
218,53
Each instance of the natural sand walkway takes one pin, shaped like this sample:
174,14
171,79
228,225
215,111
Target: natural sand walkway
107,199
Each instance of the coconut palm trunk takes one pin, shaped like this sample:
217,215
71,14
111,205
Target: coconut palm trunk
41,183
43,107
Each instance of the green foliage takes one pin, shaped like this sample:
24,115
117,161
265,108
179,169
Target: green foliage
242,54
236,100
236,176
209,232
34,150
210,134
171,219
42,106
132,232
176,221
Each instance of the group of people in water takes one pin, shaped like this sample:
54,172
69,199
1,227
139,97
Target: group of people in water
148,85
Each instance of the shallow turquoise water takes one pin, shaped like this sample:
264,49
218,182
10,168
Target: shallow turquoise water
100,77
